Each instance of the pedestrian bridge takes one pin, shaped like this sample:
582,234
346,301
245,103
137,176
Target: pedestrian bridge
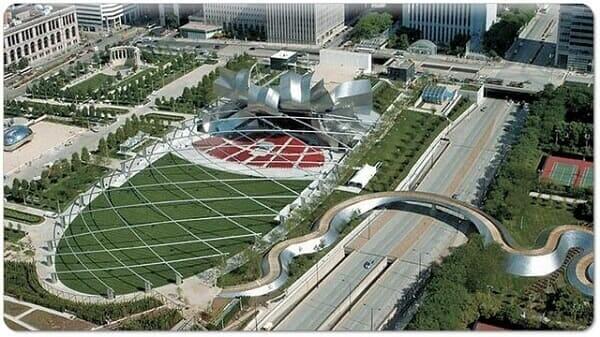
522,262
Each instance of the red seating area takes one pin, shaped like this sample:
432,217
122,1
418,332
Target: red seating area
273,151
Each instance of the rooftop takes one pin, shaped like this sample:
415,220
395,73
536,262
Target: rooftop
27,15
401,63
199,26
283,54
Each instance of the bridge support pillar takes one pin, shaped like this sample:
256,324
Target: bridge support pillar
50,245
48,260
147,286
282,219
178,279
53,277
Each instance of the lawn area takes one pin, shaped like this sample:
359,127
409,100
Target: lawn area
136,77
30,219
173,227
93,82
12,235
401,147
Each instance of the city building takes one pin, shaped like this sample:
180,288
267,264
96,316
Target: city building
441,22
575,40
281,59
239,20
105,17
198,30
38,32
311,24
175,15
353,11
16,136
401,70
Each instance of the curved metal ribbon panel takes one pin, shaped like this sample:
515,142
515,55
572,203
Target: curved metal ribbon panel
294,91
354,95
264,99
538,262
233,85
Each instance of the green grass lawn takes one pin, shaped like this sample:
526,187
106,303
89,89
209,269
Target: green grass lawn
401,147
12,235
30,219
536,219
94,82
169,233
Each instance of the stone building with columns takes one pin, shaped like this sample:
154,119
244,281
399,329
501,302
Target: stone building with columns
38,32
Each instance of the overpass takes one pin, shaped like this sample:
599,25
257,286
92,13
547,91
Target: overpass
536,262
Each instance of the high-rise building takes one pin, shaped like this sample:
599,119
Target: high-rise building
303,23
105,17
237,19
354,10
575,40
440,23
38,32
279,23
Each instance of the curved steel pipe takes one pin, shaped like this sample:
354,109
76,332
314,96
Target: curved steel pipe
521,262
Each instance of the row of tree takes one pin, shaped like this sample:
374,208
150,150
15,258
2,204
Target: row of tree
370,26
76,113
501,35
471,285
149,125
508,195
34,191
21,282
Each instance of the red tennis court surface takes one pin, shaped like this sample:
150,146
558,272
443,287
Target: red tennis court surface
272,151
568,172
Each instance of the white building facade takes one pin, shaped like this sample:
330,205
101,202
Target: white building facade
239,17
105,17
40,36
312,24
287,23
575,40
440,23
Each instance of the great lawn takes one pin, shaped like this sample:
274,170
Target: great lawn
169,218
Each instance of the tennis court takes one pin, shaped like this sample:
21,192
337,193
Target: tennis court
568,171
588,178
563,173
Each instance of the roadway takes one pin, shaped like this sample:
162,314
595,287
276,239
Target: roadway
405,236
537,41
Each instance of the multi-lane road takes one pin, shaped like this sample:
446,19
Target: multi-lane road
537,41
412,241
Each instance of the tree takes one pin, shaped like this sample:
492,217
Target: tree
370,26
16,189
458,44
403,42
502,34
102,147
85,155
45,182
75,162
